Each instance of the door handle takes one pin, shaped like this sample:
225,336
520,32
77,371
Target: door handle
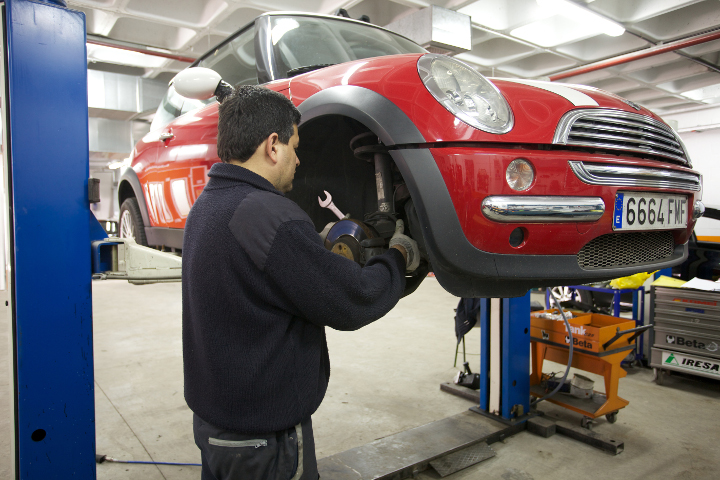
167,136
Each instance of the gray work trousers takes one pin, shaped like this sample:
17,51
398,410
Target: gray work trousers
284,455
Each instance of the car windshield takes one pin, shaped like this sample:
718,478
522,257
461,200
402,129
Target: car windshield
300,41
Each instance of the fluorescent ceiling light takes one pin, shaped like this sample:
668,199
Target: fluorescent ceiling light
502,14
569,23
588,18
706,94
119,56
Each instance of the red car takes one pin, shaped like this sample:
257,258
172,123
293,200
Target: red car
505,184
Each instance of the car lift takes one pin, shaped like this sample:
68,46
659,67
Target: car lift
50,225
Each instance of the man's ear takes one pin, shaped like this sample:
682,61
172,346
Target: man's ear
271,147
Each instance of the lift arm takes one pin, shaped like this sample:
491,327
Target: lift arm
123,259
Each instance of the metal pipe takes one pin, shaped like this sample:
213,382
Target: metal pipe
629,57
142,50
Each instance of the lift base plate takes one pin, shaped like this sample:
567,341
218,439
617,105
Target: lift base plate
403,454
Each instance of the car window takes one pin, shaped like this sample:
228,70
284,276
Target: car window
169,109
235,61
190,104
305,41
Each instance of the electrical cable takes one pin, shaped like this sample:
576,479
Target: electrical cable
105,458
570,354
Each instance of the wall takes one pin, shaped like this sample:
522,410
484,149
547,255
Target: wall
704,150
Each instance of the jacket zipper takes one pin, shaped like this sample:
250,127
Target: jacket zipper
237,443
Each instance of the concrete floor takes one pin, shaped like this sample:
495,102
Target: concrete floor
385,379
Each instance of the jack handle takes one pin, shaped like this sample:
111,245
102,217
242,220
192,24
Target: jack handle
637,331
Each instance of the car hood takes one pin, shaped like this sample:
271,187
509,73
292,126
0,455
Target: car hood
537,106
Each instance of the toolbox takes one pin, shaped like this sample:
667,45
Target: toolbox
600,344
687,331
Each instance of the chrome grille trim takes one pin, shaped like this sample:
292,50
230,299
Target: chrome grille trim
619,138
619,130
626,176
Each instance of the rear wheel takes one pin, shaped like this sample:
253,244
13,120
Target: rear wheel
131,223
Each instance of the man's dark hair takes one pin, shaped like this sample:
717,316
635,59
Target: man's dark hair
248,117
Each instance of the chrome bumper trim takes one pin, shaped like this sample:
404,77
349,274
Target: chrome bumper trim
535,209
626,176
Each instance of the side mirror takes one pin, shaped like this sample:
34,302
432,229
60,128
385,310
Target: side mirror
201,83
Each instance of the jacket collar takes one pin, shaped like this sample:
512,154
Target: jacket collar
227,175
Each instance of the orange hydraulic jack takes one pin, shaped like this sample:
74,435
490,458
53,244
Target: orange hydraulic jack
600,344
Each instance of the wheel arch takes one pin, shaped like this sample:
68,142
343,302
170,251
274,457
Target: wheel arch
370,108
439,223
129,186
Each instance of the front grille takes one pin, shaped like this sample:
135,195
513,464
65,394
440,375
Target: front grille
618,130
626,249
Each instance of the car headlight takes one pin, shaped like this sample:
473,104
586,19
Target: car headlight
465,93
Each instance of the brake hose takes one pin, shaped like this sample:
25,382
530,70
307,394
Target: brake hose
570,355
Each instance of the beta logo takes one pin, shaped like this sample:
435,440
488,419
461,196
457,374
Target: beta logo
579,343
690,343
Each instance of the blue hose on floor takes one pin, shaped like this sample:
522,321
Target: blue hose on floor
105,458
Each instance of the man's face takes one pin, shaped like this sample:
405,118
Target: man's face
288,162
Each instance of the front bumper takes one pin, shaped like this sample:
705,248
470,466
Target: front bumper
468,271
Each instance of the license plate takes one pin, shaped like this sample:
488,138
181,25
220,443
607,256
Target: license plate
649,211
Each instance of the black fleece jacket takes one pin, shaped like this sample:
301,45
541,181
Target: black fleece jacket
258,289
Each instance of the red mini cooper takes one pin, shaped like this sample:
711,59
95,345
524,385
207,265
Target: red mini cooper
505,184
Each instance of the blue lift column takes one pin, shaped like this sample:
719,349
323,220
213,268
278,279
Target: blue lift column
505,358
46,126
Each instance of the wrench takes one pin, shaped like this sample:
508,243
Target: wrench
328,203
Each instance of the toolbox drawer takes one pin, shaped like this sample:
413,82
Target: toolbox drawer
689,305
687,341
685,319
683,362
693,328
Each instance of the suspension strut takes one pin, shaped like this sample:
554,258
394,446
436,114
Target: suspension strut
383,181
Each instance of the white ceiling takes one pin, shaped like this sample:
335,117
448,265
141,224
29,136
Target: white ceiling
515,38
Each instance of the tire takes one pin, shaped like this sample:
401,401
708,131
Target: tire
611,417
562,293
131,222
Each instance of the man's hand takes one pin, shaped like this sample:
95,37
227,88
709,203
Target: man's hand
407,246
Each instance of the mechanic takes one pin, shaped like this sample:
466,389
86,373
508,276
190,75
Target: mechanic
258,289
